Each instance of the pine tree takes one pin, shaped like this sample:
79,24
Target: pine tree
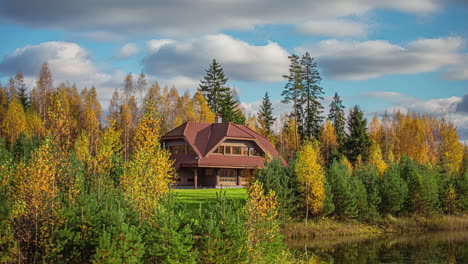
337,117
357,140
214,86
230,110
311,95
265,116
292,91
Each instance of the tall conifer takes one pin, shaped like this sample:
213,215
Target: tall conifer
265,115
337,117
311,97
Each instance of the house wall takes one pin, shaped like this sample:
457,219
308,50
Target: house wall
211,177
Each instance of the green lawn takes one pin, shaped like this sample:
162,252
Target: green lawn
192,198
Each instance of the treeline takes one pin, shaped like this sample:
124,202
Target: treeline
80,187
400,164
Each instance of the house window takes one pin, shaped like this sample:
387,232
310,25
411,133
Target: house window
253,152
219,150
227,150
177,149
245,151
237,150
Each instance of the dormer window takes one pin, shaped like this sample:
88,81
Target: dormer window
236,150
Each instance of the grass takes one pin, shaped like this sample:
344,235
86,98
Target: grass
194,198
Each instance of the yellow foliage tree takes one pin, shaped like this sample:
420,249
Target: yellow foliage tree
147,177
34,125
311,177
348,164
14,122
36,208
60,121
109,145
375,158
328,140
262,212
81,148
450,148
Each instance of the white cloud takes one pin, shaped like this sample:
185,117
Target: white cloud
68,62
240,60
187,17
127,51
333,28
353,60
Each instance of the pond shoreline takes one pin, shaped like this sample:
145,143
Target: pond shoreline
329,228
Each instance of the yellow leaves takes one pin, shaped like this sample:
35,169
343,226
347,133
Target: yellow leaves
311,176
262,211
375,158
147,177
348,164
36,195
202,110
450,148
328,140
14,121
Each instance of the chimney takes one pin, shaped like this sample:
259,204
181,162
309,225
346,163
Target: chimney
218,118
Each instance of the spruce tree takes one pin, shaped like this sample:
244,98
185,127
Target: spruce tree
265,115
293,89
229,109
357,141
214,87
311,95
337,117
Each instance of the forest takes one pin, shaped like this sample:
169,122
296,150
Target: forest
82,185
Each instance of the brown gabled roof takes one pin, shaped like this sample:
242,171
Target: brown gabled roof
203,137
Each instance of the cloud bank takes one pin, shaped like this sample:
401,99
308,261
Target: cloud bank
241,61
187,17
354,60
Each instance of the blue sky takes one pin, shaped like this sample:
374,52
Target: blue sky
382,55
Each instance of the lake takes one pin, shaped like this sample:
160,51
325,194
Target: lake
436,247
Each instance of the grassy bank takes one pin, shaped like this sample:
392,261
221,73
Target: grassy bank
334,228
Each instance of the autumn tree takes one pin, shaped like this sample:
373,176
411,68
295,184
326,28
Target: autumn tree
328,142
14,121
35,210
202,110
60,120
115,104
41,94
376,159
127,126
311,177
265,116
263,230
450,148
287,137
338,118
149,173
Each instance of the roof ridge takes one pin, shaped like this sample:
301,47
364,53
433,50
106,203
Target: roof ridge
251,130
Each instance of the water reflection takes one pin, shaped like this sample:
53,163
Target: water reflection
440,247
